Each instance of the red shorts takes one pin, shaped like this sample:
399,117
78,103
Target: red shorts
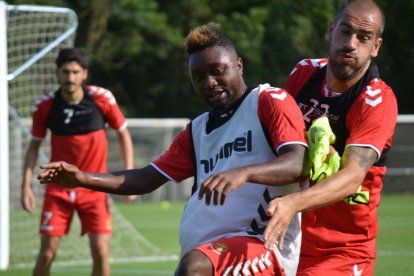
241,256
60,205
336,265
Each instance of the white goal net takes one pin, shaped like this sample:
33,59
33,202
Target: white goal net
34,35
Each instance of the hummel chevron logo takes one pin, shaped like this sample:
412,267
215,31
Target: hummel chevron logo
373,93
280,96
251,266
357,272
375,102
246,268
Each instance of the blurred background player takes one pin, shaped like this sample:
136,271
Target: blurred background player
339,219
248,149
76,116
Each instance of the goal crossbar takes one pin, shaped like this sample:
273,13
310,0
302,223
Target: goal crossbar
72,29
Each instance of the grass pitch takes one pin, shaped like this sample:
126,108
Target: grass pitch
158,222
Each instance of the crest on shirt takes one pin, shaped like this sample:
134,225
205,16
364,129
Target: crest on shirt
219,248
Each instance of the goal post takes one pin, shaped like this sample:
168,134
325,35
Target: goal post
4,144
27,42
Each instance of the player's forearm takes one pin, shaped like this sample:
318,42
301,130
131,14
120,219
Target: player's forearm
104,182
128,182
331,190
27,176
285,169
28,167
27,173
126,148
278,173
356,162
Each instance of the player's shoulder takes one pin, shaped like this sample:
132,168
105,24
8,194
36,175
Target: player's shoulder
376,93
268,92
99,93
310,64
44,101
379,84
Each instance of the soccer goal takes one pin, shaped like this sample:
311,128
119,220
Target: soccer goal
31,37
400,163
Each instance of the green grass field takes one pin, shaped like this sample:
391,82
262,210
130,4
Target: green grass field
160,226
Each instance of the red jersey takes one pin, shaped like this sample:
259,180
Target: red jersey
365,115
78,130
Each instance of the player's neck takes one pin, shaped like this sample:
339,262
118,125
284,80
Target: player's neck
72,97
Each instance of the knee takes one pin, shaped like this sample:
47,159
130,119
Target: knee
194,263
47,255
99,246
100,252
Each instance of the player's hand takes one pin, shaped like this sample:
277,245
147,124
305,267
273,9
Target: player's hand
28,200
281,210
221,184
61,173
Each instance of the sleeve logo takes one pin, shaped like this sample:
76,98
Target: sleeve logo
275,93
373,96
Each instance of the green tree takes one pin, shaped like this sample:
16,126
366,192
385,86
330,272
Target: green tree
136,48
396,58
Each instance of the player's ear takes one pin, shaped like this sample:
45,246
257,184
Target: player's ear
239,64
377,46
85,74
329,32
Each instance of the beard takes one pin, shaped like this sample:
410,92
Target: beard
223,106
233,93
345,70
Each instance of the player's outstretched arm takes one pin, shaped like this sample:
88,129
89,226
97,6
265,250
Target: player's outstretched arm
63,174
355,163
128,182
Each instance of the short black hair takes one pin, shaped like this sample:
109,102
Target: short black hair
71,54
206,36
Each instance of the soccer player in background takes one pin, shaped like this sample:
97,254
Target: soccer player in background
248,149
339,214
76,116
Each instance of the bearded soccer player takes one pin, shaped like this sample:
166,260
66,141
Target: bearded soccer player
339,213
248,149
76,116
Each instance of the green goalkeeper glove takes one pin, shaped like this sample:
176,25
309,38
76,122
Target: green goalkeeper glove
320,137
360,197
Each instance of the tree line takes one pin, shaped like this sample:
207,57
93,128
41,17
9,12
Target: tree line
135,48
